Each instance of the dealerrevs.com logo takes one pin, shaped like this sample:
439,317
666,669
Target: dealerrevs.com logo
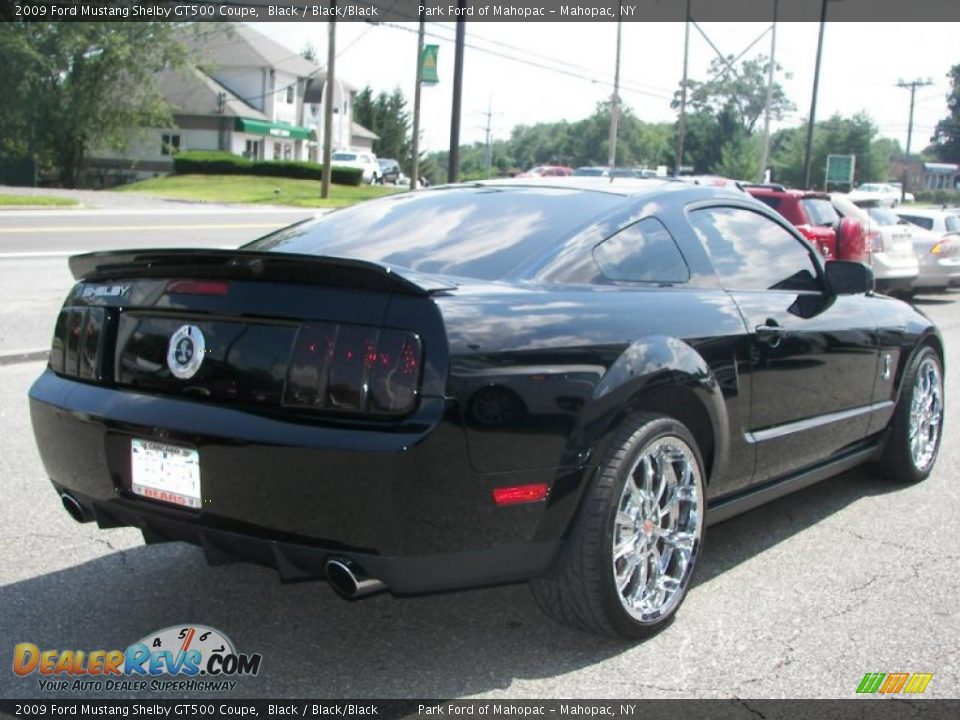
177,658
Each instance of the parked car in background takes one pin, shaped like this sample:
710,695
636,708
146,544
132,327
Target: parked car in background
547,171
907,197
889,244
309,401
591,171
884,193
812,213
936,241
390,172
367,162
938,221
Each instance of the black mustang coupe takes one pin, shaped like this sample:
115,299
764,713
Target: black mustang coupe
560,383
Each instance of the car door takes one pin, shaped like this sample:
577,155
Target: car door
813,355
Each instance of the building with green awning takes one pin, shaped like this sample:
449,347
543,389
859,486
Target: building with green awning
263,127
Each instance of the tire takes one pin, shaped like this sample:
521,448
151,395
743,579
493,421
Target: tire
592,589
907,457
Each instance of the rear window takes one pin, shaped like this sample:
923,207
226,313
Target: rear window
883,216
343,156
926,223
483,233
820,211
769,200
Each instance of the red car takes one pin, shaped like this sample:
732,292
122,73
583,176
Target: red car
813,215
547,171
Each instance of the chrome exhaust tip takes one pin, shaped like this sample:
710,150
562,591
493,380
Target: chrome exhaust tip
349,580
74,508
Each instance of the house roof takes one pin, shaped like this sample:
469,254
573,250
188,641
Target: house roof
193,92
240,45
359,131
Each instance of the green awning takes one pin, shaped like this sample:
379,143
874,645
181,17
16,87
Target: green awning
278,130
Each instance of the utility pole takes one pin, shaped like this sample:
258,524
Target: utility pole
415,177
682,125
813,102
912,86
488,154
765,148
615,100
328,103
453,164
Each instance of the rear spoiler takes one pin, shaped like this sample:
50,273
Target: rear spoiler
260,266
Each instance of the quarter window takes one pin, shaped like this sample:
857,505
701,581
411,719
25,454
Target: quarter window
643,252
751,252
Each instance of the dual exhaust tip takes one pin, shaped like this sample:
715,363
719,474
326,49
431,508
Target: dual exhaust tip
344,575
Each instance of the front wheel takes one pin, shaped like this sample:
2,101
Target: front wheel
917,425
627,566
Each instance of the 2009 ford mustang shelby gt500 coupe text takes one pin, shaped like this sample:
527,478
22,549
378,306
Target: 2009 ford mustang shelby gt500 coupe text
507,381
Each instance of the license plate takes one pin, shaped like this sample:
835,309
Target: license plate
168,473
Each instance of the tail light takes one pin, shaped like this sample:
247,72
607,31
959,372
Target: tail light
353,368
77,342
944,246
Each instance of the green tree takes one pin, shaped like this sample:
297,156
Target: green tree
386,114
946,137
837,135
71,86
740,93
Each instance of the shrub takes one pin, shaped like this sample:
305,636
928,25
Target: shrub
210,162
938,197
215,162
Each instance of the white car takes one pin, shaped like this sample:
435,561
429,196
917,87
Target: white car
885,193
907,197
937,244
367,162
889,241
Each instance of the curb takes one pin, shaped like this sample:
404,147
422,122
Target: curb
23,356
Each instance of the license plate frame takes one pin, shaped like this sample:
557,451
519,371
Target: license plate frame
166,473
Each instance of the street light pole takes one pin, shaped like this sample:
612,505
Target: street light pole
765,148
682,124
415,177
615,101
813,102
328,104
453,164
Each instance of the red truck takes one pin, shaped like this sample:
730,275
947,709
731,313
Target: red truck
813,215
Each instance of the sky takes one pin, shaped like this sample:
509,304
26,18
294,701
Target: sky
543,72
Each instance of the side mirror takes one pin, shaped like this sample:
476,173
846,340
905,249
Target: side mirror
849,278
851,240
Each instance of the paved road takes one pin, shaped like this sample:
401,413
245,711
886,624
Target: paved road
796,599
35,244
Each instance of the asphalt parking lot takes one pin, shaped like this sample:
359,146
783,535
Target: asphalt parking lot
799,598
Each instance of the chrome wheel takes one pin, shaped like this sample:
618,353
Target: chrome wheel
657,529
926,414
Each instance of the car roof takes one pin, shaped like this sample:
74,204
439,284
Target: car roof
622,186
922,212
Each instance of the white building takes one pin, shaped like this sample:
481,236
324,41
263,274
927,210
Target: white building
247,95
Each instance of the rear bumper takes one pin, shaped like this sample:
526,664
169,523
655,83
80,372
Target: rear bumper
403,503
938,273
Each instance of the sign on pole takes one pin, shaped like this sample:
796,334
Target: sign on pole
428,65
840,169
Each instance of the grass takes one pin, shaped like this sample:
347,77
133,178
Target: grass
254,189
19,200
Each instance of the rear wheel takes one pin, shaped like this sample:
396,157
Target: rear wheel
917,425
628,563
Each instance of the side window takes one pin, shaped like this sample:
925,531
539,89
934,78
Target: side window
643,252
751,252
